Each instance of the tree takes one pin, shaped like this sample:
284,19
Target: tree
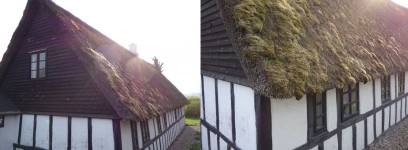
158,65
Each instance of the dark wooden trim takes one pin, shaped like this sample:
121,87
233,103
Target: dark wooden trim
50,133
208,137
340,140
354,137
70,115
212,129
134,135
69,133
382,121
365,133
26,147
228,78
90,134
19,129
234,135
320,146
203,96
34,130
116,134
263,122
217,112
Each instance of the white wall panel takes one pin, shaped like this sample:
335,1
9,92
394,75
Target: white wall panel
366,96
347,138
331,144
245,117
289,123
378,126
393,90
398,111
79,133
204,138
377,93
42,132
27,130
315,148
331,110
213,139
102,134
59,132
370,129
360,135
209,95
392,114
224,104
126,134
9,133
386,117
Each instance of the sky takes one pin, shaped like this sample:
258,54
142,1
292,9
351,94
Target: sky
402,2
169,30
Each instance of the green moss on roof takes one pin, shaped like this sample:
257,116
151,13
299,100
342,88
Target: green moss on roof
293,47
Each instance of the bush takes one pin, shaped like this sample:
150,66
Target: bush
193,108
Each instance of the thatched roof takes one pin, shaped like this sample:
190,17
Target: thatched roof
133,87
293,47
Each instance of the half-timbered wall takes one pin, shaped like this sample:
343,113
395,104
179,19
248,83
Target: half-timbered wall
221,126
229,118
62,132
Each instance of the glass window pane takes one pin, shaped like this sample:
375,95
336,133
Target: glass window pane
354,96
319,109
33,66
33,74
42,64
42,56
319,122
354,108
41,73
33,57
318,98
346,98
346,111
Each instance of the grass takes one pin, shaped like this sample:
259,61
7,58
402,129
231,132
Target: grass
196,144
192,121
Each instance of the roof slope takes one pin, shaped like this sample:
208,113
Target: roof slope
131,85
290,48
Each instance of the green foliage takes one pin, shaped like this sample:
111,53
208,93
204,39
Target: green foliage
193,108
190,121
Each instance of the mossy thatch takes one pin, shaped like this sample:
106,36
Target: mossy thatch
293,47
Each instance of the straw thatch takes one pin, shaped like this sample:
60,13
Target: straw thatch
294,47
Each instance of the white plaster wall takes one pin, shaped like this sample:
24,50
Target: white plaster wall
126,134
378,125
209,95
366,97
398,111
139,135
386,117
27,130
377,93
360,135
9,133
59,132
331,110
331,144
289,123
224,103
102,134
245,117
42,132
370,129
393,90
213,139
392,115
223,144
79,133
151,130
315,148
204,138
347,138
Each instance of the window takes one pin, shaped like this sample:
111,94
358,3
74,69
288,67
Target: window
38,65
165,121
1,121
133,126
385,89
159,127
349,102
145,131
401,83
317,113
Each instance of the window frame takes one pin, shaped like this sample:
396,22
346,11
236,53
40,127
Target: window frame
350,91
165,121
159,127
312,116
385,83
37,65
2,118
144,125
401,83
